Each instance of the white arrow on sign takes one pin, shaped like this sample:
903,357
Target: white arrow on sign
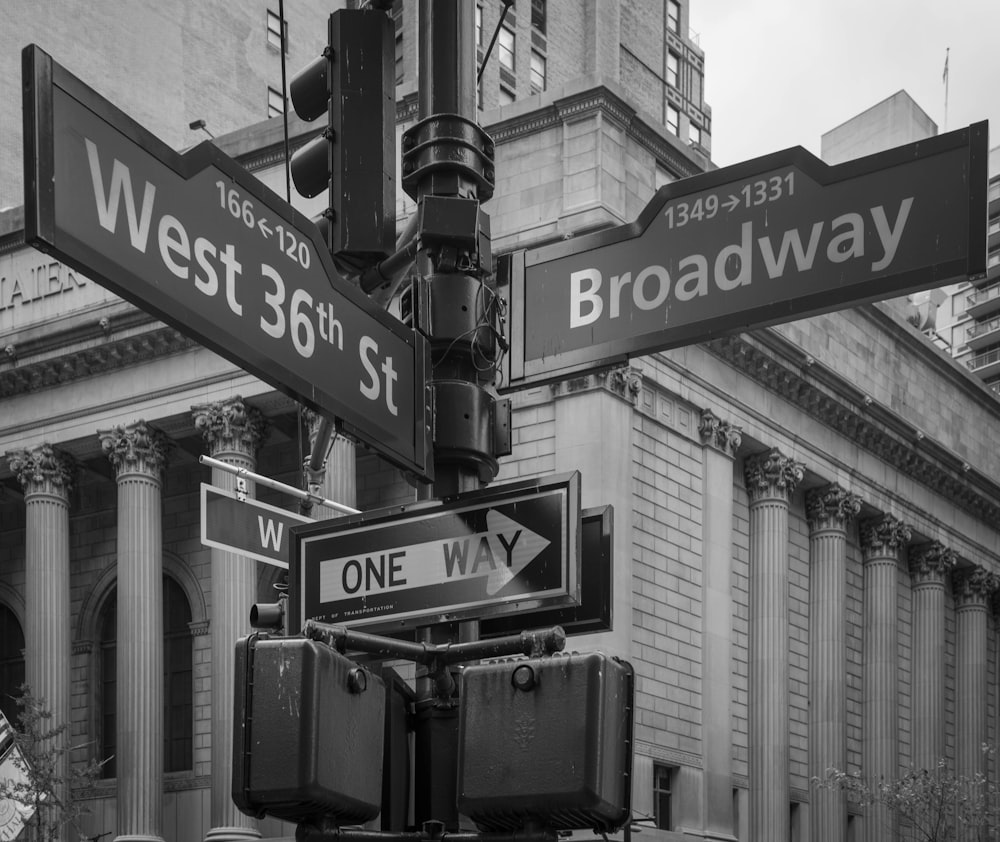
497,555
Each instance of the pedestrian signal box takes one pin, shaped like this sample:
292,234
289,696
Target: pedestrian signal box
546,741
308,732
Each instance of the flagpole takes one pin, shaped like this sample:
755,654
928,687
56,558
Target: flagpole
947,54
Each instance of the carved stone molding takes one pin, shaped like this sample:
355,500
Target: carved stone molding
624,382
772,474
723,436
831,507
883,536
136,447
61,368
594,100
931,563
43,470
230,426
974,586
839,405
199,628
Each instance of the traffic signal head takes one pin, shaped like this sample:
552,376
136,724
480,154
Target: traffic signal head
354,83
546,741
308,732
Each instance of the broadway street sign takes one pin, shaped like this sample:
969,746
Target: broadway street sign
203,245
774,239
507,548
247,527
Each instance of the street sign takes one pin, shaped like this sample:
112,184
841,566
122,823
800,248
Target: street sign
778,238
199,242
247,527
594,613
505,548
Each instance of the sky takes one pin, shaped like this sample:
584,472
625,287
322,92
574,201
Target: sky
780,73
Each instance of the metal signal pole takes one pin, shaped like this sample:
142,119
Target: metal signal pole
447,166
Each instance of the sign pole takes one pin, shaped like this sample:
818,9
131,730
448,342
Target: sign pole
448,168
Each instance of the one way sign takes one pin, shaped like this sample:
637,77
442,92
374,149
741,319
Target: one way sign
503,549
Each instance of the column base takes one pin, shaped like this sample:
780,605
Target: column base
232,834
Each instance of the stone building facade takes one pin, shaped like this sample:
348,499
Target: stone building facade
806,520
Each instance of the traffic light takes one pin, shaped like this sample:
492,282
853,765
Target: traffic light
308,732
546,741
354,83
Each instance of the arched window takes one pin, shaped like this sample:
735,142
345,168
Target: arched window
178,706
11,663
108,703
178,691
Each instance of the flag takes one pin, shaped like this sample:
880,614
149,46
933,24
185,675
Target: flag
944,76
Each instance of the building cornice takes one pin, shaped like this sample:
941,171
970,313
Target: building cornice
55,368
787,371
596,98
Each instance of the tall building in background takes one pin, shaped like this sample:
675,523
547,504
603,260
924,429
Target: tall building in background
166,64
806,518
979,349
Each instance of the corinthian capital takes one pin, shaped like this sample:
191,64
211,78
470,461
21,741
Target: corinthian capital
930,563
974,586
43,469
772,474
230,426
883,536
136,447
722,435
831,506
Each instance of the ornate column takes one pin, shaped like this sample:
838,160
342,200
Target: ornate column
929,567
770,479
721,440
340,478
973,589
829,510
882,538
138,453
233,432
47,476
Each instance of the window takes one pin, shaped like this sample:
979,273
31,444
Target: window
397,20
479,26
178,678
538,15
178,690
673,120
663,778
674,16
506,96
506,45
274,31
673,69
537,72
995,226
275,103
694,134
11,663
994,190
108,684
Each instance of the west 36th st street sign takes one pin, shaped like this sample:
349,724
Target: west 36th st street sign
781,237
202,244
